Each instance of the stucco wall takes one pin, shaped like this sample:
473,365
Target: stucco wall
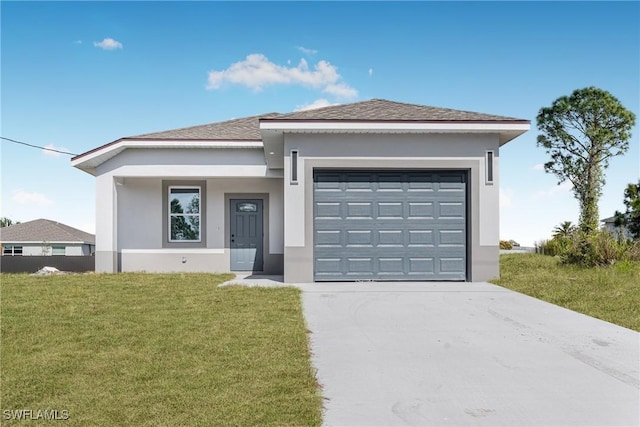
129,203
387,151
140,222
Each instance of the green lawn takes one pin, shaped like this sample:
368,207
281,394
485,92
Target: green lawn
156,350
608,293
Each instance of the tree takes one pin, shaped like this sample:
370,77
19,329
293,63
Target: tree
6,222
581,133
631,217
564,230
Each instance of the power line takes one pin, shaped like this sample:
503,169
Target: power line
37,146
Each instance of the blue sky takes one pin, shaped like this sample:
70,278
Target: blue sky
78,75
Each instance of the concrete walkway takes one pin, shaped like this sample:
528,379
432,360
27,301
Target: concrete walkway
461,354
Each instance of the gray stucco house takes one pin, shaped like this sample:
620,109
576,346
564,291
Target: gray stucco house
609,224
373,190
44,237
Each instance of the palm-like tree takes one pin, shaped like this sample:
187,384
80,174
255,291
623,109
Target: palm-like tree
564,230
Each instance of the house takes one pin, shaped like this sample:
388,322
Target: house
609,224
372,190
43,237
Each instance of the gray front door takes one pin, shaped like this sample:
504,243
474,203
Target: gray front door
389,225
246,235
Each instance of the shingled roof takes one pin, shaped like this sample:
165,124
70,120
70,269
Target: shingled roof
381,110
243,129
44,230
378,110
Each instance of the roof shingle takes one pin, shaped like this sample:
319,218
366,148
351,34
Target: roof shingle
44,230
246,128
379,110
384,110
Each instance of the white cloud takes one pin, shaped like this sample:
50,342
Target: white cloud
370,71
341,90
307,51
53,153
256,72
538,167
108,44
565,187
318,103
25,198
77,42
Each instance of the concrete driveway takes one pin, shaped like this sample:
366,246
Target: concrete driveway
462,354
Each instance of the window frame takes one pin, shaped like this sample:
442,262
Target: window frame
13,250
163,201
294,158
54,247
171,215
489,167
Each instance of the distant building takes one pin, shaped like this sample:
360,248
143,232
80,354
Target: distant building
609,224
43,237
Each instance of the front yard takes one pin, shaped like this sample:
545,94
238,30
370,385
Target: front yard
157,350
608,293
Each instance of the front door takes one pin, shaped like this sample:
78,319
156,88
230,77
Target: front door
246,235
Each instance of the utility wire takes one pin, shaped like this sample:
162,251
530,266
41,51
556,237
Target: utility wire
37,146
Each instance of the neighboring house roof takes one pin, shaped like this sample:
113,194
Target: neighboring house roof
44,230
610,220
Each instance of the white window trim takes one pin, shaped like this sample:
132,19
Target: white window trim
170,215
489,167
13,250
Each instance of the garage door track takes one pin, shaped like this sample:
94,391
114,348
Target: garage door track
462,354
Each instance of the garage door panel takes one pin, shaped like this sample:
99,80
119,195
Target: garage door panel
420,238
421,265
390,238
451,238
390,210
451,265
389,225
359,210
328,238
420,210
451,210
359,238
360,265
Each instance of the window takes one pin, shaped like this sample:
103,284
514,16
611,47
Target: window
57,250
247,207
294,166
184,214
11,250
489,167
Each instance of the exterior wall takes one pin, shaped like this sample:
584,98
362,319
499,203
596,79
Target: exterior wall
617,231
387,151
140,222
129,204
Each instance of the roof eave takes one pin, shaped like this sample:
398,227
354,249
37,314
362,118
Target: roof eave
507,129
90,160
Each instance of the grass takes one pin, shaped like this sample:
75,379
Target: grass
609,293
155,350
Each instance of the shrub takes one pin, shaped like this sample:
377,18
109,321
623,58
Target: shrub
599,248
505,244
553,247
